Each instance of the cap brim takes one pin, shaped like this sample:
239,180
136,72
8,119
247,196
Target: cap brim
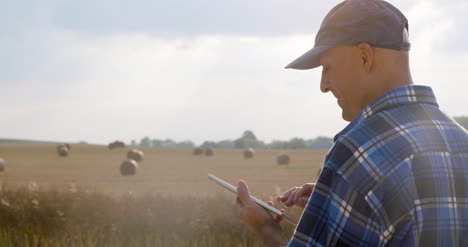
308,60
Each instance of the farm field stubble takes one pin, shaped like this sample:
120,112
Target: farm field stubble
166,171
93,205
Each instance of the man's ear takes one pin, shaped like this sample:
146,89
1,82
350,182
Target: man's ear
367,56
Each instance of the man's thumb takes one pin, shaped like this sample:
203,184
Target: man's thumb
243,192
302,202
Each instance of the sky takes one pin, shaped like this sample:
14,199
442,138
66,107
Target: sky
97,71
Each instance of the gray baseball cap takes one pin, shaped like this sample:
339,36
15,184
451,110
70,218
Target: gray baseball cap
352,22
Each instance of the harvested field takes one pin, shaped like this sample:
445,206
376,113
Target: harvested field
166,171
83,200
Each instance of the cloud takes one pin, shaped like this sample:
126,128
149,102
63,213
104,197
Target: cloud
78,70
133,85
167,18
436,25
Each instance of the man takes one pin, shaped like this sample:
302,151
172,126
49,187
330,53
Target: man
397,175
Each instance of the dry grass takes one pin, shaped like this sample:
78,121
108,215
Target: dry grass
80,218
169,202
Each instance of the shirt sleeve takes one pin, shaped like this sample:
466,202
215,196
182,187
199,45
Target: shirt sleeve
336,214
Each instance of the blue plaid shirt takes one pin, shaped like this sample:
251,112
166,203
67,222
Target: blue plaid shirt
396,176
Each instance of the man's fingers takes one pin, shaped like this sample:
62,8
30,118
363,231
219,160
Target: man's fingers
243,193
290,200
286,195
304,192
278,218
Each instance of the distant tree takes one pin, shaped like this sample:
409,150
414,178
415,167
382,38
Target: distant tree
239,143
245,143
320,143
225,144
296,143
145,142
133,143
260,145
185,144
248,134
462,120
208,144
157,143
169,143
276,144
247,140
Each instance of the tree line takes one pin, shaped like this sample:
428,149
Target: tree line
249,140
246,140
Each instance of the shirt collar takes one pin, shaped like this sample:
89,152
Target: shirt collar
404,95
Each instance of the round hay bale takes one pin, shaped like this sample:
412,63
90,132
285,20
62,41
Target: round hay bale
249,153
60,146
283,159
128,168
197,151
209,152
62,151
116,144
120,144
135,155
2,165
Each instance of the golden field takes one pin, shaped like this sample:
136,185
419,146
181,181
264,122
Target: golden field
82,200
167,171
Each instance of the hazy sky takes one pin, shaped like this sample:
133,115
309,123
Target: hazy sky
198,70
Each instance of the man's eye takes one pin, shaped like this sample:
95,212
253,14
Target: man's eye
325,69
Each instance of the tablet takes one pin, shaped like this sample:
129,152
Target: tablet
261,203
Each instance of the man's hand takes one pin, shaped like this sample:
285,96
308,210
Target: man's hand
297,196
257,218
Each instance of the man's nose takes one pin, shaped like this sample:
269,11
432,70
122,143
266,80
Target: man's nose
324,85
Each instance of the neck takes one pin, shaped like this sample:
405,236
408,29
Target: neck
392,70
385,82
396,79
396,76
